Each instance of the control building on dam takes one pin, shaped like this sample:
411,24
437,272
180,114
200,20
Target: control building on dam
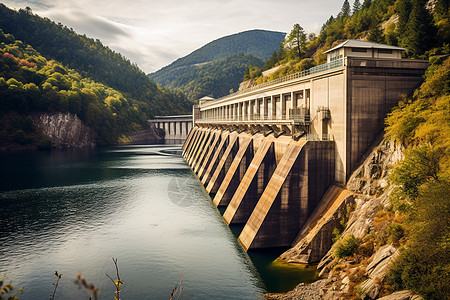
270,152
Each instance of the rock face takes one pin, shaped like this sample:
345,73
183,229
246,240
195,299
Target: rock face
377,269
151,135
369,190
371,178
316,238
65,129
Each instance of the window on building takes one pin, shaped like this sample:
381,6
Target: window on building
364,50
385,51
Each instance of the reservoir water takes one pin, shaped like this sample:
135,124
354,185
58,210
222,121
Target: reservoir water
72,211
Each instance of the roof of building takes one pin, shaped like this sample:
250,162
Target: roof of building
206,98
364,44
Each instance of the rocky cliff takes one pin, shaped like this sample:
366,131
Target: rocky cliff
152,135
65,130
352,211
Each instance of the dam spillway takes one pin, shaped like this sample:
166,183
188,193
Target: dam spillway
268,154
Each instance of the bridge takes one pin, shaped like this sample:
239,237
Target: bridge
269,153
176,128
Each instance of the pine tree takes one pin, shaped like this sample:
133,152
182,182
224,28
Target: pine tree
356,6
296,41
403,11
375,33
345,10
366,4
420,30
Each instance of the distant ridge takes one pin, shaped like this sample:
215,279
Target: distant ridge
251,47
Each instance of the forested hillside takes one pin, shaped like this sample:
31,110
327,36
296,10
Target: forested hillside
91,59
416,217
421,199
31,83
420,26
47,68
254,47
214,79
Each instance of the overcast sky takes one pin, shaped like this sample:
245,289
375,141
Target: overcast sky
153,33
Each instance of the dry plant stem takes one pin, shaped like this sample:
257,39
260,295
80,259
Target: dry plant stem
177,289
117,283
56,284
82,281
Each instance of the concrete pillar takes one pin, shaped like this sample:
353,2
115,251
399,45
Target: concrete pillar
213,149
254,235
236,171
172,129
216,158
183,129
205,151
253,183
224,164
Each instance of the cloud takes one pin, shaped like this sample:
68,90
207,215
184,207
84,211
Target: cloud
155,33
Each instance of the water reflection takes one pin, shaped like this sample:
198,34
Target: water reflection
72,211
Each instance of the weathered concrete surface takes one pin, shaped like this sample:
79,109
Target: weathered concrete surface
203,150
251,235
210,143
208,156
228,186
368,183
244,201
315,238
224,163
216,157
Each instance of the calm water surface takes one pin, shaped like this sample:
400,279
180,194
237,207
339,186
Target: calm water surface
71,211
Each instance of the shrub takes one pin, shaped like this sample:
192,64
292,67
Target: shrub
346,246
45,143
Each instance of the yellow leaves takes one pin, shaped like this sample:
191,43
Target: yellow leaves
118,283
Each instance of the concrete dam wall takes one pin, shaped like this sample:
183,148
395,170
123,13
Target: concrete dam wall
269,184
268,154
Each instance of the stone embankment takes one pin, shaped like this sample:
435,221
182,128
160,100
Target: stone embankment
354,207
66,130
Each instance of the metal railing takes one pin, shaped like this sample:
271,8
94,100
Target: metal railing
319,137
248,118
313,70
297,118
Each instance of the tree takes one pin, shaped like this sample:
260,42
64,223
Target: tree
296,41
375,32
356,6
420,31
345,10
403,9
366,4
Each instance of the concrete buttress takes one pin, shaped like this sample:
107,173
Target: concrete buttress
224,164
235,172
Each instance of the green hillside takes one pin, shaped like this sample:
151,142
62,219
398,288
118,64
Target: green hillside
420,26
30,83
416,219
254,47
91,59
214,79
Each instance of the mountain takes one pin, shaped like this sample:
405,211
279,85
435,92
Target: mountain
48,69
91,59
198,70
214,79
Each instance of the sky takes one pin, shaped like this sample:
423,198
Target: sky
154,33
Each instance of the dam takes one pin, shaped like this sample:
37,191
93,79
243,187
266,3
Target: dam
269,153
